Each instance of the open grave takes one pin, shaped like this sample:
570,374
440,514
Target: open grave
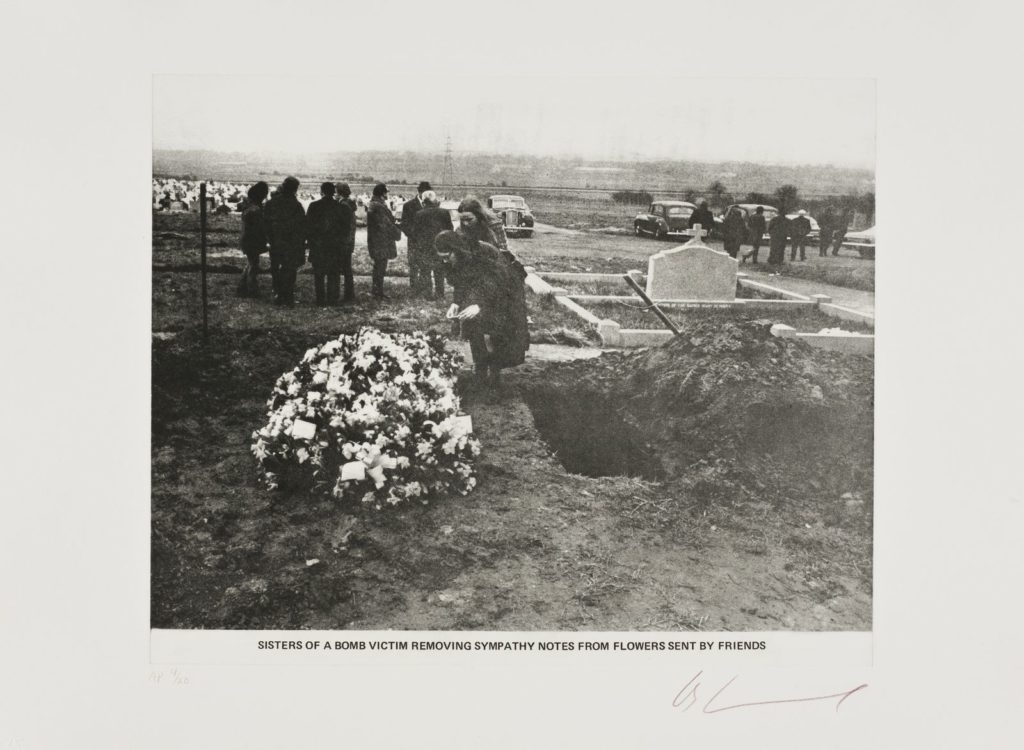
763,404
726,393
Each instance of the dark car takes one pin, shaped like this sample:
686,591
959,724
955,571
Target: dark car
663,219
515,215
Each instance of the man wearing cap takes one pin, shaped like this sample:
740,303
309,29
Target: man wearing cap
799,228
382,234
409,210
328,223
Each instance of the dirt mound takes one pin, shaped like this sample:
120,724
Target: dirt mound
726,409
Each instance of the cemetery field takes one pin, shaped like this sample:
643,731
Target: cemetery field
721,482
552,248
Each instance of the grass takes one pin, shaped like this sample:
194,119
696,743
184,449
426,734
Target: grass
846,270
619,287
176,307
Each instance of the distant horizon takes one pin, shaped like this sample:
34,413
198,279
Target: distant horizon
780,121
439,153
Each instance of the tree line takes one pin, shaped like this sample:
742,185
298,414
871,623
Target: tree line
786,198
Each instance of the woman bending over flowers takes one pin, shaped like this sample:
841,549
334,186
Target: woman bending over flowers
490,302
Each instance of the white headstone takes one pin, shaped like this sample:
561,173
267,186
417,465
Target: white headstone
692,271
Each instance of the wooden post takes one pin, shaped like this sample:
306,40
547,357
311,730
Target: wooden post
654,308
202,241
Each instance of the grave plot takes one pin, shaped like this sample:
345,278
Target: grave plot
770,444
695,277
725,388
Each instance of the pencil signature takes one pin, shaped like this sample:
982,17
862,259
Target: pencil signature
688,697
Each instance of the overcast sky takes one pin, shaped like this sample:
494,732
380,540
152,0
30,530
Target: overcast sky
805,121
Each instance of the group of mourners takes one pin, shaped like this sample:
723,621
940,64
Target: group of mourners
489,302
737,230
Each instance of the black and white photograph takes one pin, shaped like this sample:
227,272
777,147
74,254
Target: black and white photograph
522,361
402,375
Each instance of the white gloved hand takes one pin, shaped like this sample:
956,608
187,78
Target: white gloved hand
470,312
452,311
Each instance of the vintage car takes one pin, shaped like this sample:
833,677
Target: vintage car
815,229
452,207
515,215
664,219
863,242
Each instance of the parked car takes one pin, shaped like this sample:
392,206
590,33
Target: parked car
815,229
664,219
863,242
452,207
514,214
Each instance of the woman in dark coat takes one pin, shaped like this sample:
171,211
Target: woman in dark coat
490,302
734,231
477,223
382,234
254,239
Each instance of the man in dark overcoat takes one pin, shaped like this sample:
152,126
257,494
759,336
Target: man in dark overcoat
734,231
799,228
286,229
409,210
756,227
826,224
345,199
703,216
842,225
778,233
430,221
328,223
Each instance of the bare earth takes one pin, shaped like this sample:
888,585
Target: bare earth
535,547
